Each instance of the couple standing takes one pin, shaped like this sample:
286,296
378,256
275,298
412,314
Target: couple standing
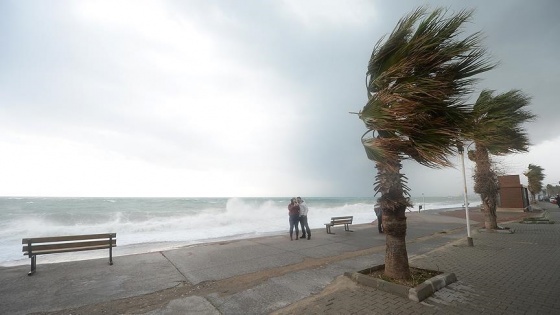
297,210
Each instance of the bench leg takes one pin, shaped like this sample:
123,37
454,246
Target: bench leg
347,228
33,265
111,250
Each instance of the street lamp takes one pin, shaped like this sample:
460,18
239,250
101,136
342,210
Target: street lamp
462,153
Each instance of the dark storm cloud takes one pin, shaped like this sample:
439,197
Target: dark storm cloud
64,74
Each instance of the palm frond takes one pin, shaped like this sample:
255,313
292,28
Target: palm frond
497,122
416,81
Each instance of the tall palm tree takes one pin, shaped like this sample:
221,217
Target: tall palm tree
416,80
535,177
496,129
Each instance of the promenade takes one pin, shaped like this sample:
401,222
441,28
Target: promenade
502,274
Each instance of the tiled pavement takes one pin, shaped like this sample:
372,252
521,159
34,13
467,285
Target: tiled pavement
515,273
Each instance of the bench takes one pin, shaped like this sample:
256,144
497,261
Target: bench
346,221
63,244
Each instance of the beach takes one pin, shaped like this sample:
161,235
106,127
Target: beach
254,276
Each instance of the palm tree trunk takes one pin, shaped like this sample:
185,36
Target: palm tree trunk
396,256
394,203
486,185
489,210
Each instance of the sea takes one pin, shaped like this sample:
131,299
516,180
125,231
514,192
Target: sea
154,224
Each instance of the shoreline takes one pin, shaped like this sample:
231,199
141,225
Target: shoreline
476,217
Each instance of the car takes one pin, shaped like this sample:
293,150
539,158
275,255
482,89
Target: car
553,200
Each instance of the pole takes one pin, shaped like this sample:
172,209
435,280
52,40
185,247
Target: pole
469,238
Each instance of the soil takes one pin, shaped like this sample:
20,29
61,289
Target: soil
418,276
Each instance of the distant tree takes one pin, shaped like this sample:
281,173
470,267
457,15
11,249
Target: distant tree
416,81
496,129
552,190
535,177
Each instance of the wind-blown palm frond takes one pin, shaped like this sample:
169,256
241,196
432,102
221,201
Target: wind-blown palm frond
416,79
535,177
497,122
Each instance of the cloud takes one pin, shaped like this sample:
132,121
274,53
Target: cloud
219,98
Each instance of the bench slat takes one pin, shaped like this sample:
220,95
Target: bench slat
50,239
65,250
47,247
341,221
346,217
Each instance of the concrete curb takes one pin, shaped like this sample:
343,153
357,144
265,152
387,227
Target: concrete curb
417,294
501,231
430,286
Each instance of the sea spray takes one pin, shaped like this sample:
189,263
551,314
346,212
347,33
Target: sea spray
151,224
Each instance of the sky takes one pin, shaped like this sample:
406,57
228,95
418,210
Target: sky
233,98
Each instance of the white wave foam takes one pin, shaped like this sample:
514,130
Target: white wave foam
173,222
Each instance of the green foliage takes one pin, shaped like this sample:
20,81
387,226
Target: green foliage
416,81
535,177
552,190
496,122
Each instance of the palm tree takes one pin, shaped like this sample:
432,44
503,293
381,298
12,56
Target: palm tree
535,177
416,80
496,129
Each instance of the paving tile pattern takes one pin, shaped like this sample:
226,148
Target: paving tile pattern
502,274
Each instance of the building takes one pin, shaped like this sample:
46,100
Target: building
513,195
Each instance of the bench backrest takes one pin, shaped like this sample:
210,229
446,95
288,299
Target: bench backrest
346,219
70,242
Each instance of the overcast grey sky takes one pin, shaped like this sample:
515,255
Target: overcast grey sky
231,98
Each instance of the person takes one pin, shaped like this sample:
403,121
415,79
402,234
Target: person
293,212
379,214
303,210
557,200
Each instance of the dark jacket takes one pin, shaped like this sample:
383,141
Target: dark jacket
293,209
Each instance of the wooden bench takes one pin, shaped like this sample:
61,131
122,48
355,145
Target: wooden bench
63,244
346,221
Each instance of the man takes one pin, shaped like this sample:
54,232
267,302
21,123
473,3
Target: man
558,200
379,214
303,218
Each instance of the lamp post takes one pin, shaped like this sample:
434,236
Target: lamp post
462,153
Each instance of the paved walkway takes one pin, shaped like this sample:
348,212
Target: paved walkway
502,274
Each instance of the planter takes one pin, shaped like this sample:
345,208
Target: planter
500,229
417,293
536,221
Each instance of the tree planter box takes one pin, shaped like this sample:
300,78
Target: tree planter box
418,293
536,221
500,229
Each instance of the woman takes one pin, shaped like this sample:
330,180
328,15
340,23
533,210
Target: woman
293,212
